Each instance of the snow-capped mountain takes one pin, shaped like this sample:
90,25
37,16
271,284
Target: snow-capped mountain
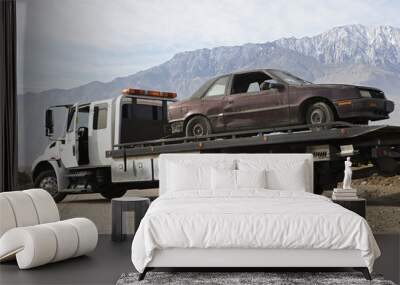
355,44
352,54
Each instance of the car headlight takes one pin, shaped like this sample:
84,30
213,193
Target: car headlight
365,94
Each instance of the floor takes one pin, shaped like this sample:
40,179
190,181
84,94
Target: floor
110,260
96,208
103,266
382,217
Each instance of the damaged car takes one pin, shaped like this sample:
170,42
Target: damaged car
265,98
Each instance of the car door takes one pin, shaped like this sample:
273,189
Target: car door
248,107
213,102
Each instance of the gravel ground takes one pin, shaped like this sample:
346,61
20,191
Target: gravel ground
383,215
384,219
382,194
383,199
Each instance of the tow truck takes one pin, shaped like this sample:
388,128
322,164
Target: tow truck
110,146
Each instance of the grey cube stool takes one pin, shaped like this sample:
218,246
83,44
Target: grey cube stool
125,204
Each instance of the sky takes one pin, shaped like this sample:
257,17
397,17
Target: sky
67,43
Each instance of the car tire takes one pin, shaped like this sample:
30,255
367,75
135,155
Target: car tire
198,126
113,192
319,113
47,180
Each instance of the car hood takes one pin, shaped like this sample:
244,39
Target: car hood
337,86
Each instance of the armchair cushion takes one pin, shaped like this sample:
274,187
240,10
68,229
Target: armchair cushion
46,208
23,209
41,244
7,220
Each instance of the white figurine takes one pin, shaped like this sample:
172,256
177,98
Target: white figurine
347,174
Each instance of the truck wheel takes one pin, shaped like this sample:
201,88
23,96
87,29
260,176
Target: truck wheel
319,113
327,175
318,189
387,166
198,126
113,192
47,180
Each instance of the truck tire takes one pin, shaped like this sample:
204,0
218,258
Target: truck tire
47,180
319,113
198,126
327,174
112,192
387,166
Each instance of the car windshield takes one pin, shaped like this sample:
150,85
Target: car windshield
289,78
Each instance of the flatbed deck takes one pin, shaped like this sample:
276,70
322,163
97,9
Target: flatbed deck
337,133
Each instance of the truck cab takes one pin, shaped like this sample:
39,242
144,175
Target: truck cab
76,161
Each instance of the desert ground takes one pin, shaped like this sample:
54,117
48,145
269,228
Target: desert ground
382,194
383,200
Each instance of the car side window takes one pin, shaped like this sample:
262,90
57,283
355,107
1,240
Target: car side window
248,82
218,87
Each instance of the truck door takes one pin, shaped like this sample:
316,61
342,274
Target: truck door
68,148
82,135
74,151
100,138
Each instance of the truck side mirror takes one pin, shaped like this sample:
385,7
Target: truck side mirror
49,123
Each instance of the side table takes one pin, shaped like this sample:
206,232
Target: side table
124,204
356,205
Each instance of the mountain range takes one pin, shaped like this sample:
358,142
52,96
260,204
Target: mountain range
352,54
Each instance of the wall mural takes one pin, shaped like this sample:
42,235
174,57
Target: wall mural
72,51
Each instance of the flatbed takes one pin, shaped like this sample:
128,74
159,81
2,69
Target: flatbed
339,132
329,143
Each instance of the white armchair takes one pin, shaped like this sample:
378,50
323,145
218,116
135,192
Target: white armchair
31,230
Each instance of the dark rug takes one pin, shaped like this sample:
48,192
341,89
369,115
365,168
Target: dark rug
225,278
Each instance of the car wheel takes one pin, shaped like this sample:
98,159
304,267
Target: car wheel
319,113
47,180
198,126
112,192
